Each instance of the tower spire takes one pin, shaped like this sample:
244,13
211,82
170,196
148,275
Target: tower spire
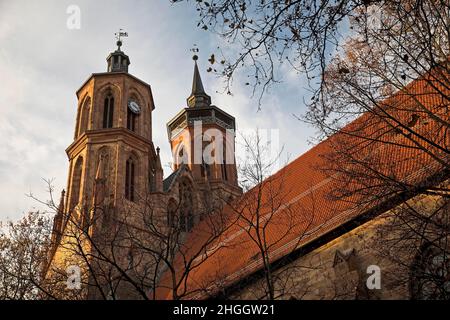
198,97
197,85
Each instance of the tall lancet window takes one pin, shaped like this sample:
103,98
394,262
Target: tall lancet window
130,179
84,117
224,163
108,112
76,183
131,120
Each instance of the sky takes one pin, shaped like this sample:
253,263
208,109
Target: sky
43,63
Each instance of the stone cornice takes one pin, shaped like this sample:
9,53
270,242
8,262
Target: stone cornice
101,74
206,120
110,135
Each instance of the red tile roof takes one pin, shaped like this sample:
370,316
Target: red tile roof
297,202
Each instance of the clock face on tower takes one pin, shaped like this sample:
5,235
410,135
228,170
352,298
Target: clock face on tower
134,107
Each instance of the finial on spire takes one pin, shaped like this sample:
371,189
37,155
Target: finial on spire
195,51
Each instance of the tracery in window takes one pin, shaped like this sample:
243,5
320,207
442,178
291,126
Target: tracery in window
108,111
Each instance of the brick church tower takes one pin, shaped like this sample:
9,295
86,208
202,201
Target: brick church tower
112,157
113,163
202,136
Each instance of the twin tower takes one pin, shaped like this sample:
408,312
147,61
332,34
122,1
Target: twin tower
114,162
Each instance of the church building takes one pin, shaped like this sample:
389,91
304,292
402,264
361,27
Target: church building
133,233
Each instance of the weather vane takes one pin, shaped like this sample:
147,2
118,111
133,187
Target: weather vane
120,34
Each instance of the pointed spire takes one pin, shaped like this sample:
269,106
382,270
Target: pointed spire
61,202
197,85
159,173
158,159
58,220
198,97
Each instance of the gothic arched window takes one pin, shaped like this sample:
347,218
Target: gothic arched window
186,217
76,183
101,177
130,172
224,164
131,120
108,111
84,117
181,155
430,274
103,162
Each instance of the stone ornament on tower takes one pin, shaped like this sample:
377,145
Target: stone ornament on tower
159,173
